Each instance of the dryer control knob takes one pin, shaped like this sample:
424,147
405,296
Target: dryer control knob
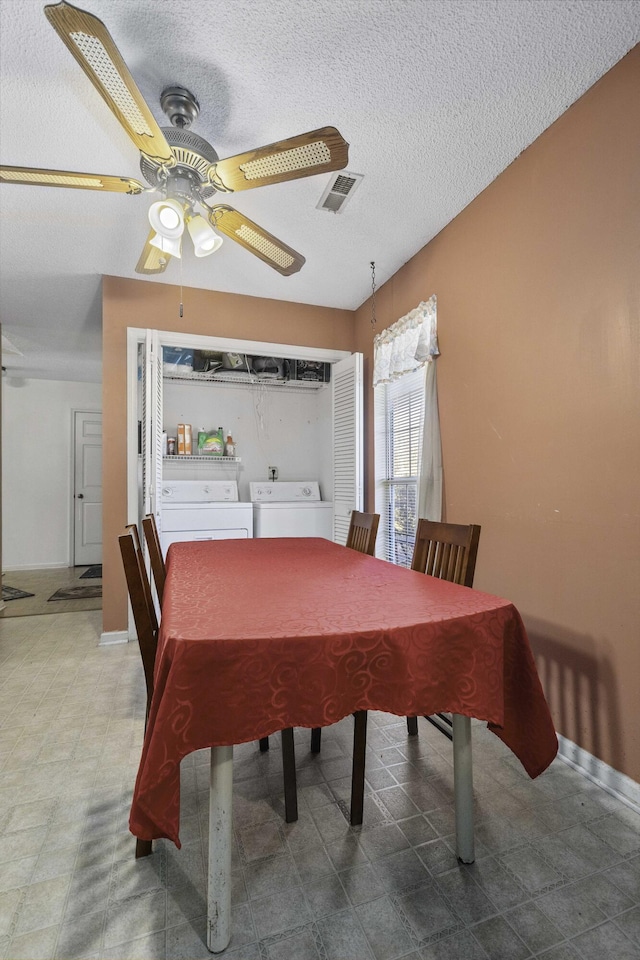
306,491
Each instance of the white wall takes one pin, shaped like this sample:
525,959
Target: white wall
272,426
37,468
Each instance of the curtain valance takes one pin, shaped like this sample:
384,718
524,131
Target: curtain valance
407,344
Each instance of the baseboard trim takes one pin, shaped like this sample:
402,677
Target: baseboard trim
113,636
36,566
617,784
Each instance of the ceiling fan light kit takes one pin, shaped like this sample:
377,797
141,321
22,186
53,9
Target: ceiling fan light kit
182,166
167,218
170,246
205,239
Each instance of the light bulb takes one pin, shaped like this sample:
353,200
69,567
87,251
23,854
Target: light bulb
167,218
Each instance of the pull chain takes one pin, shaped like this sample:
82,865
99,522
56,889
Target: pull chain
181,306
373,293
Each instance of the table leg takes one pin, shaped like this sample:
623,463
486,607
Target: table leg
357,775
144,848
463,787
289,771
220,837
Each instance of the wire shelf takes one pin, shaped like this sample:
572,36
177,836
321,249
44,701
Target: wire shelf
201,458
244,378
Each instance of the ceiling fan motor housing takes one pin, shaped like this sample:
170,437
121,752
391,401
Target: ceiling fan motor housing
194,155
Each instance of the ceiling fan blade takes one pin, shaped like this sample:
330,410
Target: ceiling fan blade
319,151
92,45
151,259
253,238
38,177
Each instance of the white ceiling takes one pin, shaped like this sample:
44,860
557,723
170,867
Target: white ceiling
435,97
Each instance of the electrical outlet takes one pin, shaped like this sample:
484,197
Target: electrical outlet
273,473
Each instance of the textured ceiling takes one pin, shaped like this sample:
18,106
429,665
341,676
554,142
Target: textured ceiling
435,97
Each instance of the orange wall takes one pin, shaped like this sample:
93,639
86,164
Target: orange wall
138,303
538,286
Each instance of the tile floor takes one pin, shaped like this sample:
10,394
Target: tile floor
557,873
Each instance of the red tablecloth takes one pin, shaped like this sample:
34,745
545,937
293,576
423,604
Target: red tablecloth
260,635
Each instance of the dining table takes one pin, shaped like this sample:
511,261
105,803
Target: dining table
261,635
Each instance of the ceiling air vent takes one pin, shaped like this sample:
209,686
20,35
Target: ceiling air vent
340,188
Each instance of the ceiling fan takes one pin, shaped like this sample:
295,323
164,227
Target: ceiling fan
178,164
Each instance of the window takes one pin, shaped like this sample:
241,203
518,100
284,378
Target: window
408,460
399,423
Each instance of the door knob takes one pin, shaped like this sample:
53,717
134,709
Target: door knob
81,496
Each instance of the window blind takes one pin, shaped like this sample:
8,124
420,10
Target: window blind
399,428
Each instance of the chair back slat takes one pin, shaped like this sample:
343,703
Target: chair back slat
141,603
158,568
363,530
447,551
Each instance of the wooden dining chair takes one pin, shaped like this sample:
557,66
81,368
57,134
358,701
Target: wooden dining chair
142,602
144,616
447,551
363,530
156,559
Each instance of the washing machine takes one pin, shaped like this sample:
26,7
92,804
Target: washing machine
203,510
290,508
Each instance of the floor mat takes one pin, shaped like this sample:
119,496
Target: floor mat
89,592
42,584
92,573
12,593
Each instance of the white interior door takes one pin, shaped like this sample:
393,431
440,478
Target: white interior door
346,377
87,488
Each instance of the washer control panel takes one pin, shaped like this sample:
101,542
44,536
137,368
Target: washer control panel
199,491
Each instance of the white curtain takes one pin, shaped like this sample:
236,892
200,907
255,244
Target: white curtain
430,482
410,343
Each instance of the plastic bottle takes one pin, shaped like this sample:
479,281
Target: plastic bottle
230,447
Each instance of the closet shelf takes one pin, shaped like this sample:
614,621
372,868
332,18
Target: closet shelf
201,458
244,378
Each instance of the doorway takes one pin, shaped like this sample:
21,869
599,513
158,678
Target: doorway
87,488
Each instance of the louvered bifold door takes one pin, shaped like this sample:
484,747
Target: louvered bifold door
152,427
347,443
